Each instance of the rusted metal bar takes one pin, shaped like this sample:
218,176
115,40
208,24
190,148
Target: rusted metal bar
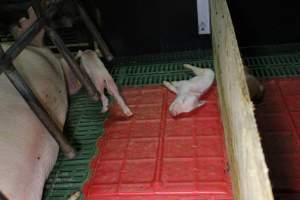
80,73
38,109
95,33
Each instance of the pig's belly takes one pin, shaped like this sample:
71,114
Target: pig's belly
27,151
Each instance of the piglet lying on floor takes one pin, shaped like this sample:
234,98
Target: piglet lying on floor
189,91
102,79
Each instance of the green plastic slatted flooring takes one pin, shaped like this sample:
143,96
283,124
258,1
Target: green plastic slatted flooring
85,124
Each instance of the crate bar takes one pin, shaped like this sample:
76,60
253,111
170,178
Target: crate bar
19,45
95,33
38,109
22,87
249,172
79,72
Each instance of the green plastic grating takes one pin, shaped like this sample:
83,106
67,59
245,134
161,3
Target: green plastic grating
156,73
83,128
85,124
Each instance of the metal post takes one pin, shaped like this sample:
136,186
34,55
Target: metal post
38,109
92,28
80,73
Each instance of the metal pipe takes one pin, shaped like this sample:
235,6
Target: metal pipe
80,73
95,33
17,47
20,84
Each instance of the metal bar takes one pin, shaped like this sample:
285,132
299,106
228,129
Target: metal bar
95,33
16,48
80,73
38,109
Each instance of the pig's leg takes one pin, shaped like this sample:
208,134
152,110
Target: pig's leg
104,100
170,86
73,83
113,90
197,71
201,103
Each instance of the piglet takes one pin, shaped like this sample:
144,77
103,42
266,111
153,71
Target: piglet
101,78
189,91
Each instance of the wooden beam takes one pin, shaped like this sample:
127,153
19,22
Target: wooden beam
248,168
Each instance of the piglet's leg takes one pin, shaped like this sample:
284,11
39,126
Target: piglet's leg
104,100
113,90
201,103
170,86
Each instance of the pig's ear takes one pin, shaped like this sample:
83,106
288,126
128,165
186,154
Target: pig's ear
78,55
99,53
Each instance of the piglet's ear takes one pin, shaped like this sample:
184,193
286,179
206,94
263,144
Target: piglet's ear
79,54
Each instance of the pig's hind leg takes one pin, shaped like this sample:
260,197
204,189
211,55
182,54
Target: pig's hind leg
113,90
104,100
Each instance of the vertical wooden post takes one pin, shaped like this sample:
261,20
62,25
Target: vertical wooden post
247,162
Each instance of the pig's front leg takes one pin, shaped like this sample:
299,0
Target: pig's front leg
113,90
170,86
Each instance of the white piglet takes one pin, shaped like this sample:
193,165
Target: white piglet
102,79
189,91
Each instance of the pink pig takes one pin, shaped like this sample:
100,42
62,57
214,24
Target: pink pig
102,79
189,91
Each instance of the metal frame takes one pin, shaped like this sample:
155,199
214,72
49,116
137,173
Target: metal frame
6,66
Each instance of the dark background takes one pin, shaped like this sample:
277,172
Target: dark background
140,26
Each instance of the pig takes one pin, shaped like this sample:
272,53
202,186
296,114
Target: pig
101,78
189,91
27,151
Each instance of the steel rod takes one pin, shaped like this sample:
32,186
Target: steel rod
93,30
16,48
25,91
67,55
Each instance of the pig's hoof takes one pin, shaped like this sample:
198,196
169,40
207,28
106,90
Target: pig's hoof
104,109
71,154
75,195
128,112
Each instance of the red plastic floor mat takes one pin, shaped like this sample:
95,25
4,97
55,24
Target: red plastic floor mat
153,156
278,119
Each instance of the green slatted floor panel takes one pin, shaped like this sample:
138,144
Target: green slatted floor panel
85,124
84,127
265,66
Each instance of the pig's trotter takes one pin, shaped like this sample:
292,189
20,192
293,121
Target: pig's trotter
201,103
104,101
74,196
127,111
70,152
